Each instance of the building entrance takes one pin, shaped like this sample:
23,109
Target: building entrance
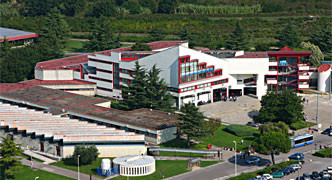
249,91
218,94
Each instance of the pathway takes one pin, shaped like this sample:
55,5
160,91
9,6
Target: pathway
38,156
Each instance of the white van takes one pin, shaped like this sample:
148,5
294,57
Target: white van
329,170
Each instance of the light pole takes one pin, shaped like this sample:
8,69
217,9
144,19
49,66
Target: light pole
36,177
299,169
317,111
78,167
235,157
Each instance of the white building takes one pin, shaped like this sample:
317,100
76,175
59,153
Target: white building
192,75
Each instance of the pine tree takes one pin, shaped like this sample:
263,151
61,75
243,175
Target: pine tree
157,91
4,48
193,124
156,34
289,37
8,156
134,93
102,36
55,34
238,39
323,38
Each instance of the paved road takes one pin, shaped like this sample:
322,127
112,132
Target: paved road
226,169
57,170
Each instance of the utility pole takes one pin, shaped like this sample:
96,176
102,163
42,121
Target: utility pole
330,82
317,111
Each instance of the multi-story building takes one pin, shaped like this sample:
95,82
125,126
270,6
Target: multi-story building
287,68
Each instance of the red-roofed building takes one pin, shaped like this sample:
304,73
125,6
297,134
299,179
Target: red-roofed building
16,36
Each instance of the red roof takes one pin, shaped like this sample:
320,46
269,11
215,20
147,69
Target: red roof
6,87
286,49
164,44
253,55
324,67
61,63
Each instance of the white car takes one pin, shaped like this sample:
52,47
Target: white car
329,170
295,166
267,176
253,160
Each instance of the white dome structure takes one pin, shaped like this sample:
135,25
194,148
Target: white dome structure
135,165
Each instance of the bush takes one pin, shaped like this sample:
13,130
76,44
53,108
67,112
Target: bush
300,125
240,130
87,154
323,153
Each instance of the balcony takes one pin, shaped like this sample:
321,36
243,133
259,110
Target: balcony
272,73
273,63
304,77
271,81
304,67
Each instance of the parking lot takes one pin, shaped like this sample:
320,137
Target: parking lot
241,111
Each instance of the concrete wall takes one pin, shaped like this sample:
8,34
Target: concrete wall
166,135
59,74
110,150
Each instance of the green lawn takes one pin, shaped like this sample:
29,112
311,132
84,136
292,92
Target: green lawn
180,154
74,46
323,153
87,169
26,173
208,163
167,167
223,138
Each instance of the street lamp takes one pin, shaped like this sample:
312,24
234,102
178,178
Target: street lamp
299,169
78,167
36,177
235,157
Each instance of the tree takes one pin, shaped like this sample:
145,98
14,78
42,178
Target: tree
282,106
141,47
4,48
156,34
157,91
316,56
39,7
323,38
288,37
262,47
102,36
134,93
88,154
238,39
273,143
167,6
132,5
103,8
193,124
151,4
276,127
74,7
9,151
54,35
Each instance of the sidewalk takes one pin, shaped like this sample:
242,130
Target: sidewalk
57,170
38,156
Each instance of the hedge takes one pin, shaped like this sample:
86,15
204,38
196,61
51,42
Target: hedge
323,153
241,130
300,125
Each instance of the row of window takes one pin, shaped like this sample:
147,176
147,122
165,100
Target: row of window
200,76
220,81
133,55
104,89
125,80
100,61
103,70
195,87
125,71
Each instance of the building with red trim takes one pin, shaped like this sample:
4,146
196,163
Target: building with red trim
288,68
16,36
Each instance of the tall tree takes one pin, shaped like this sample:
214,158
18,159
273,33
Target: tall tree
323,38
156,34
288,37
282,106
102,36
134,93
132,5
39,7
157,91
316,56
151,4
5,48
238,39
9,151
193,124
167,6
74,7
273,143
54,35
88,154
103,8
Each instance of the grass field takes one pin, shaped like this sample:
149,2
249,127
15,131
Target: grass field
223,138
26,173
86,169
74,46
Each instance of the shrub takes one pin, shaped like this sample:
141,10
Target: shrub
87,154
240,130
300,125
324,153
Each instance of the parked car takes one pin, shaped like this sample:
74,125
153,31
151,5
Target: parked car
327,131
306,176
296,156
301,178
267,176
329,170
253,124
315,175
253,160
324,174
295,166
277,174
287,170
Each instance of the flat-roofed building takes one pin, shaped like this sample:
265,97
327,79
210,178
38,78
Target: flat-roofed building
16,36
